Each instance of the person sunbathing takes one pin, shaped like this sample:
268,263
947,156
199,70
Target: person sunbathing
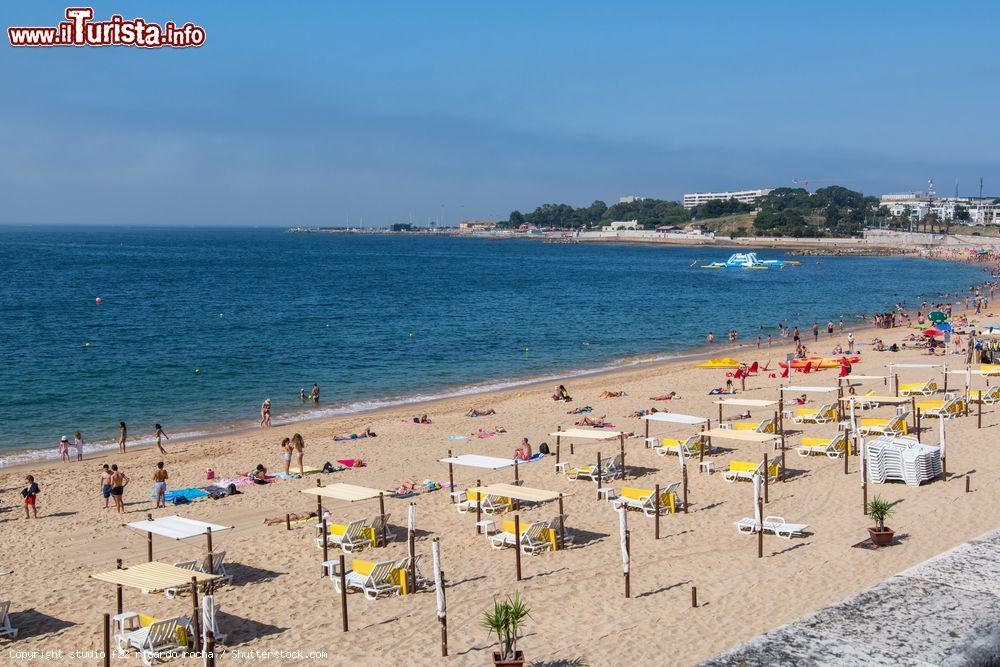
613,394
473,412
643,413
422,419
258,475
591,421
562,395
579,411
801,400
672,396
367,433
523,451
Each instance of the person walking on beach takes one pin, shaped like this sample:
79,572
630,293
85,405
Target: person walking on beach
795,335
123,431
850,342
265,413
119,481
160,485
30,495
160,433
299,446
106,484
64,449
815,332
315,393
78,441
829,328
286,453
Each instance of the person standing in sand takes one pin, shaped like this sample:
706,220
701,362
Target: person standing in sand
286,453
160,485
315,393
265,413
160,433
299,446
123,430
106,484
78,441
30,495
64,449
119,481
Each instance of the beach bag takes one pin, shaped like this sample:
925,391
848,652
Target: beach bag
231,490
180,500
328,467
543,448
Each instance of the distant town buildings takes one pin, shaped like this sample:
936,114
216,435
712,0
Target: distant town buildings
630,199
745,196
918,205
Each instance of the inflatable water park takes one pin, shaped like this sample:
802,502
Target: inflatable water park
749,260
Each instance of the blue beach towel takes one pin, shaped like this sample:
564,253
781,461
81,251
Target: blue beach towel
189,493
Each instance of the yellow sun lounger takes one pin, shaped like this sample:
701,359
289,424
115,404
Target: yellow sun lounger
831,447
876,426
642,499
953,406
824,414
548,534
918,388
762,426
746,469
989,397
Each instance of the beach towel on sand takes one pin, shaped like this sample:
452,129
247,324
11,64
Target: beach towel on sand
351,463
189,493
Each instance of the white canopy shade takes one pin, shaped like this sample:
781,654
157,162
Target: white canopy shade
745,436
350,493
747,402
974,371
809,389
478,461
675,418
587,434
176,527
516,492
891,366
865,377
154,576
889,400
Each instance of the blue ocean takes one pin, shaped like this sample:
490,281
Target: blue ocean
196,327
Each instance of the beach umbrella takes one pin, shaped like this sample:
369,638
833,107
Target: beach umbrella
944,326
438,582
932,332
757,483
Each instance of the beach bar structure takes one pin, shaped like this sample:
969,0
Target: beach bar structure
177,528
149,577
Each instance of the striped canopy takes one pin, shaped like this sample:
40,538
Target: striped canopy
153,576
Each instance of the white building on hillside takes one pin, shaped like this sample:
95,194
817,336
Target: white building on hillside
622,225
630,199
745,196
916,206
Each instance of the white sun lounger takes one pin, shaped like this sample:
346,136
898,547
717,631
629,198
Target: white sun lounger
532,541
354,539
918,388
647,503
374,584
952,407
772,524
832,447
155,641
896,427
610,469
691,447
6,629
825,414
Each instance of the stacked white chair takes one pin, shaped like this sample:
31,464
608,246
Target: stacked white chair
901,459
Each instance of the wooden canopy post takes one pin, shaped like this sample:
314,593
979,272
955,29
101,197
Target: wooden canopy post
209,649
149,541
656,515
326,548
979,410
562,524
598,473
918,424
106,621
343,592
411,537
451,478
684,484
720,412
517,546
118,587
621,450
896,384
319,501
864,482
557,458
647,431
208,545
195,616
381,512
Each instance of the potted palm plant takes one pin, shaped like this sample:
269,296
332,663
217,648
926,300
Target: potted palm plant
505,620
879,510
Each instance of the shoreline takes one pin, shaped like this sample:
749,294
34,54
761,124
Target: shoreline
32,457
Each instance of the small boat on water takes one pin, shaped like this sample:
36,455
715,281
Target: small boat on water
749,260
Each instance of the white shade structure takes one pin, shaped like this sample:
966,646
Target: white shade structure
442,609
675,418
587,434
516,492
154,576
809,389
177,527
478,461
742,436
622,537
862,378
747,402
349,493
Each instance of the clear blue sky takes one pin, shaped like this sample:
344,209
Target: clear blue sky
313,112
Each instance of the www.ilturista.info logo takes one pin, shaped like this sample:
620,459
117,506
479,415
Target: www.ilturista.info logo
81,30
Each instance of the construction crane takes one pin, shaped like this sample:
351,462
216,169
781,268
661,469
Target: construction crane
804,182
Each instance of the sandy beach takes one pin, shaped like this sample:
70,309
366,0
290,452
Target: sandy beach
279,602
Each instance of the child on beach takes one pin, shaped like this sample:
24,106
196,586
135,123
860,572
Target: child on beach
64,449
160,434
299,444
286,453
160,485
30,494
78,441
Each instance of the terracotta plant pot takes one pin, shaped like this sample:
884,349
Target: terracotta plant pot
881,538
516,661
